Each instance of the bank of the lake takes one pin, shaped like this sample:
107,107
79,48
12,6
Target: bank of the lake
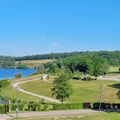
9,73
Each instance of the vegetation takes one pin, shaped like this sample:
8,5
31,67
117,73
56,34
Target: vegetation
113,57
83,91
21,65
88,65
18,75
6,62
61,87
95,116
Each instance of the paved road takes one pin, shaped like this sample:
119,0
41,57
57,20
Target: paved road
16,85
47,114
113,78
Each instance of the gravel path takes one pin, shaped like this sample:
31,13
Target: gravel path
48,114
16,85
113,78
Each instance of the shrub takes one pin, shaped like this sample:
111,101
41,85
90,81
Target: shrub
18,75
67,106
4,83
2,108
32,106
86,105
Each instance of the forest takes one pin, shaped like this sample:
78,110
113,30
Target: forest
112,57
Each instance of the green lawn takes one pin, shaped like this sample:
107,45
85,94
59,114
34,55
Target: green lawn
114,69
11,93
83,91
98,116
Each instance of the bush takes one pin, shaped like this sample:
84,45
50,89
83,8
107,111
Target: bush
67,106
4,83
18,75
87,105
2,108
32,106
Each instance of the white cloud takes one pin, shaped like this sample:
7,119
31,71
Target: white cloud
54,44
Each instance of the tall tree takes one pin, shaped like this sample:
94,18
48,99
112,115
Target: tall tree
61,87
100,66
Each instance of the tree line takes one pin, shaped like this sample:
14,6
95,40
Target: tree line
113,57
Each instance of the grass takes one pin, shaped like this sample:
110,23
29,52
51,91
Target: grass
114,69
33,63
11,92
98,116
83,91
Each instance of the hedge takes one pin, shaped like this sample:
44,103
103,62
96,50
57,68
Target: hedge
67,106
106,106
2,109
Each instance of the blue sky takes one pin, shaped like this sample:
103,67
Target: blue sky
44,26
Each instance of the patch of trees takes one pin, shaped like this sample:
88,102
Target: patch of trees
113,57
88,65
6,62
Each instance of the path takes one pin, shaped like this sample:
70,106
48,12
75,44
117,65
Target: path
113,78
16,85
48,114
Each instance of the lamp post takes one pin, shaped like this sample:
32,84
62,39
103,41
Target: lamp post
17,97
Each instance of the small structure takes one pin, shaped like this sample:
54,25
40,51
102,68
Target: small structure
45,77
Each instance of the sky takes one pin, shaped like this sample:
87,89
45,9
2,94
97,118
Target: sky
30,27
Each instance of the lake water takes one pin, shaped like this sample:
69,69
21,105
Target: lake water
11,72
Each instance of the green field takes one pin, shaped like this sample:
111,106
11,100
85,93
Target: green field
114,69
98,116
33,63
83,91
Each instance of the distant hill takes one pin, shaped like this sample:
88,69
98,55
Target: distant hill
113,57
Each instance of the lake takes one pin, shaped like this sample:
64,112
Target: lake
8,73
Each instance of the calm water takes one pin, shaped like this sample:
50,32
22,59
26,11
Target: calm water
11,72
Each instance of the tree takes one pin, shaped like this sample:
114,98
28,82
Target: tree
18,75
100,67
61,87
118,94
40,68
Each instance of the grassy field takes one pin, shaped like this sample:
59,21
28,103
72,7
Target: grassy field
11,92
114,69
83,91
98,116
33,63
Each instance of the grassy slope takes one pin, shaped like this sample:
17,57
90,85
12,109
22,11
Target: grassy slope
98,116
33,63
11,92
114,68
83,91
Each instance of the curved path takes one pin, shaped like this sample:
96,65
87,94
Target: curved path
16,85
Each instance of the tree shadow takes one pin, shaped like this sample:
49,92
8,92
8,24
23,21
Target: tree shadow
115,86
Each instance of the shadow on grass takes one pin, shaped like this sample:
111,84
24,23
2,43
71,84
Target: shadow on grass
115,86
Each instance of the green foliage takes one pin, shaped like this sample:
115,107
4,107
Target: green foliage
87,64
67,106
18,75
22,66
61,87
118,94
40,68
6,62
4,83
2,108
100,66
113,57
